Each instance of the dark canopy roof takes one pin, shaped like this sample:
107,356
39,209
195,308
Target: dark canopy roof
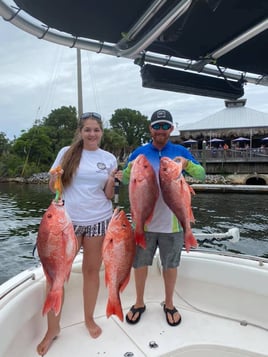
211,37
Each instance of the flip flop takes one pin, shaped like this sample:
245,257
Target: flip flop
171,312
134,310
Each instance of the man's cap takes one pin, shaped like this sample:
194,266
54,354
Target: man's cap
161,116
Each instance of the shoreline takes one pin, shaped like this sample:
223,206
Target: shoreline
212,183
43,178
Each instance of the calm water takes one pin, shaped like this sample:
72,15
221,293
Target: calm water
22,206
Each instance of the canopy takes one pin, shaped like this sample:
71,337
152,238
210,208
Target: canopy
216,140
223,43
190,141
241,139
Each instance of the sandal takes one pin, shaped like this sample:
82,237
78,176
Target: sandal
171,312
134,310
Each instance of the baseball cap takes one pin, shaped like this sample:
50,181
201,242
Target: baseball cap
161,116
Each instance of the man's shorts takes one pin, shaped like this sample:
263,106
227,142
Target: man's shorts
170,246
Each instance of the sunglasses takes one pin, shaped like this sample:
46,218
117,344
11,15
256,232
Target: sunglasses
164,126
90,115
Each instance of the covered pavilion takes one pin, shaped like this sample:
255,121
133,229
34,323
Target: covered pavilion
235,120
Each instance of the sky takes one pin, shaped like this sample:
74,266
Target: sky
37,76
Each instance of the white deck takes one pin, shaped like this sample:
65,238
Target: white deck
199,335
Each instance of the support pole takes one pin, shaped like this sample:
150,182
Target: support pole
79,83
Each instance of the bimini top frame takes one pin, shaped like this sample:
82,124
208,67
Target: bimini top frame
161,34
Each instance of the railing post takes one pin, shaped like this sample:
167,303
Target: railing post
204,144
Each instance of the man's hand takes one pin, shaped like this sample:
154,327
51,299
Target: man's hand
183,161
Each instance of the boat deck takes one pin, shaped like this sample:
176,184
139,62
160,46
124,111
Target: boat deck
200,334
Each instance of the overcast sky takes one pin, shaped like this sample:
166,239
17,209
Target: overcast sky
38,76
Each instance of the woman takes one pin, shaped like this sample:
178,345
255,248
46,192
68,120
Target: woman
88,174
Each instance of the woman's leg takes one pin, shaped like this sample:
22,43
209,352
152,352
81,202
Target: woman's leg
53,329
53,324
92,259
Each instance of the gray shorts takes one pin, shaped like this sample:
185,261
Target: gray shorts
170,247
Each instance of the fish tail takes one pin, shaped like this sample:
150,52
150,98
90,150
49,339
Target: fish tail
189,241
53,302
114,308
140,239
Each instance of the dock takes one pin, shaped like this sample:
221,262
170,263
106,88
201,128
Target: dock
230,188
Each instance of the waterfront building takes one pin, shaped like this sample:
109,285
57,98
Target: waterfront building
234,121
231,141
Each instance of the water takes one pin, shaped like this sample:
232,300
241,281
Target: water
22,206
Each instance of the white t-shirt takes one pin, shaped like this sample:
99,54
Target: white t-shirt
85,200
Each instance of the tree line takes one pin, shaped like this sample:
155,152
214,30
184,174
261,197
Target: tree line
35,149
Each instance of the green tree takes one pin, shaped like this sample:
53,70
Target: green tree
34,149
133,125
61,124
11,166
4,144
113,142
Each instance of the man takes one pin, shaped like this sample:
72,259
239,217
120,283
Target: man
169,236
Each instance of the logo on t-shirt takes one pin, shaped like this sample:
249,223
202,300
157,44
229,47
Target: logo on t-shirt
101,166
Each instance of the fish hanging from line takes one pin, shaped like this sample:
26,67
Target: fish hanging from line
143,194
118,253
57,248
177,194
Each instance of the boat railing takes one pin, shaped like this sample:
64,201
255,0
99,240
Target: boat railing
260,260
231,155
18,282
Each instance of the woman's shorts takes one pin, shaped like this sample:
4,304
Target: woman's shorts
94,230
170,246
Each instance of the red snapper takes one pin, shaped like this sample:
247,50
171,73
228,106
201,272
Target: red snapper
143,194
177,195
57,247
118,253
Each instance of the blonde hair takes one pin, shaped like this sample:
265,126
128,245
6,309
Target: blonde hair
72,156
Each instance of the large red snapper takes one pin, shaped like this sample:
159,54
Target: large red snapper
143,194
57,247
118,253
177,195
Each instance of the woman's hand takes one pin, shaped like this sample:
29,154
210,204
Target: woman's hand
117,174
55,179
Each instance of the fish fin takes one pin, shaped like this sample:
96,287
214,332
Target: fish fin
49,280
53,302
191,189
114,308
125,282
189,241
191,215
106,278
148,220
68,276
140,239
